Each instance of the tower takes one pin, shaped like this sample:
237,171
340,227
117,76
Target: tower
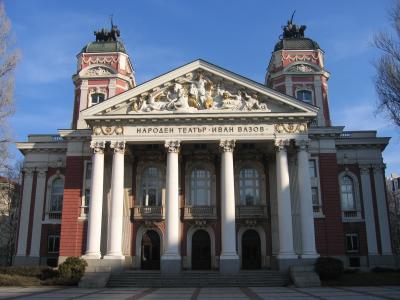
104,70
297,69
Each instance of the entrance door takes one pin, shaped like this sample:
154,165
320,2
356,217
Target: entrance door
251,250
150,251
201,250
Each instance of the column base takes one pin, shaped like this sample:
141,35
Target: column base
310,255
171,264
20,260
116,257
91,256
229,264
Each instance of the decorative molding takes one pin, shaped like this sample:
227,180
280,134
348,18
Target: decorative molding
364,169
41,172
172,146
98,72
194,91
378,168
28,171
300,57
303,144
227,145
302,68
281,144
108,60
118,146
98,146
291,128
108,130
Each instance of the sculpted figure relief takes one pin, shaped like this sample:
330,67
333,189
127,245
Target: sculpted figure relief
195,92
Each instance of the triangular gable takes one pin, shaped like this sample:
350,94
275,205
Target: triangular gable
197,88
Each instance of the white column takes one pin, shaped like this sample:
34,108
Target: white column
380,193
286,250
38,213
368,210
229,259
114,240
306,206
96,202
25,207
171,259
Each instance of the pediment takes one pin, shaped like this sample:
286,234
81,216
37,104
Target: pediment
199,88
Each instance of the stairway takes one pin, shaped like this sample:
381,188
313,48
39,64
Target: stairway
154,279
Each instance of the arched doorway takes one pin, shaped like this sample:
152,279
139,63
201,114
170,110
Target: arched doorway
201,250
150,259
251,250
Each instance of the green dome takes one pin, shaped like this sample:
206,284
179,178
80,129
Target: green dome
102,46
296,44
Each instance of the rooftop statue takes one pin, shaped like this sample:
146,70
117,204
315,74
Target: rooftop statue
105,35
292,30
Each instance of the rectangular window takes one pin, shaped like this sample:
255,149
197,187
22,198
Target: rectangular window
315,200
352,242
88,174
313,169
53,243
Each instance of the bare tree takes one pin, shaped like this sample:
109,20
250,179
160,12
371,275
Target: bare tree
8,61
9,213
388,68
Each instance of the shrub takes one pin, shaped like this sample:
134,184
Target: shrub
49,273
22,271
73,268
17,280
329,268
384,270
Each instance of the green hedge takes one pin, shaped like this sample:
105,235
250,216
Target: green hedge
329,268
73,269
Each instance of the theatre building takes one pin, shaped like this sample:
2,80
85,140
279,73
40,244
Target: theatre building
201,168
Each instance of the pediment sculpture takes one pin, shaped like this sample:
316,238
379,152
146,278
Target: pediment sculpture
195,92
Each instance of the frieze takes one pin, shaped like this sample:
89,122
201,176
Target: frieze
98,71
291,128
300,57
99,60
196,91
108,130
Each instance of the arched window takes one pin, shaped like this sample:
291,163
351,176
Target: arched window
152,185
249,185
305,96
347,191
57,193
200,187
97,98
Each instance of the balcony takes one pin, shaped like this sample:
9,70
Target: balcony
252,212
351,215
148,213
53,216
200,212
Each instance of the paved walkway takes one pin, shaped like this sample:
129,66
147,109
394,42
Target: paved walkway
257,293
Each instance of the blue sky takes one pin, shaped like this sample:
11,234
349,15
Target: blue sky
162,35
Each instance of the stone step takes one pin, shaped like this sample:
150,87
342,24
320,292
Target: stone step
197,279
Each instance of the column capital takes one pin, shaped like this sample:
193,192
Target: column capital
41,171
303,144
98,146
227,145
281,144
364,169
172,146
28,171
118,146
378,168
